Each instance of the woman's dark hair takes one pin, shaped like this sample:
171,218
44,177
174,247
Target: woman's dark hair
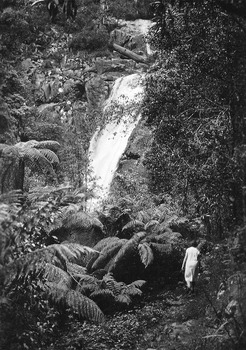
193,243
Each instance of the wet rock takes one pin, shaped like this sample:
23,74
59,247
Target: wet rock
96,92
68,86
114,65
120,37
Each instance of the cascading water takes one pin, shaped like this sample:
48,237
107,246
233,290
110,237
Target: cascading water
107,145
122,111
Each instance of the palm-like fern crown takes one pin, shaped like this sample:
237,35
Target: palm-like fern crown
38,155
108,288
57,267
150,238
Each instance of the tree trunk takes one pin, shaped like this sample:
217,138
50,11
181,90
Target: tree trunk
130,54
9,169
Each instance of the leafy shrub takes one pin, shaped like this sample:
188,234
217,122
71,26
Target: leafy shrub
89,39
124,9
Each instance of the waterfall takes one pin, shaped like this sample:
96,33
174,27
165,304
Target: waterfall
122,110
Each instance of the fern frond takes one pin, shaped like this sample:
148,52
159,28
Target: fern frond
35,160
41,193
132,291
77,253
123,298
102,293
127,249
111,284
56,275
26,145
14,197
56,254
87,283
104,242
49,144
75,270
6,213
146,254
163,227
132,225
50,156
89,279
84,307
151,225
137,283
143,216
107,253
86,288
167,237
162,238
91,261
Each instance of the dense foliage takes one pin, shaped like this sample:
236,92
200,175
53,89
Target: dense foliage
195,101
194,108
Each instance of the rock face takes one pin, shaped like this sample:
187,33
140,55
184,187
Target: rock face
97,92
132,161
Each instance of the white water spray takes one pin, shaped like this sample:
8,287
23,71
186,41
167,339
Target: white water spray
107,145
122,110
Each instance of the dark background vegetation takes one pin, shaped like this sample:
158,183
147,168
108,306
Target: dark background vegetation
195,107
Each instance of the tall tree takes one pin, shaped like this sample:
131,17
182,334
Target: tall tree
195,102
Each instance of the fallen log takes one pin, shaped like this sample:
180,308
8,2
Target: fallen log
130,54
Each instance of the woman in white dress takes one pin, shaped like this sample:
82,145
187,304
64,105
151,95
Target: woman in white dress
191,265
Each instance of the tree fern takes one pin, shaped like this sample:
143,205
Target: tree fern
137,284
14,197
55,254
48,144
49,155
87,284
56,276
146,253
123,292
133,225
38,156
123,298
105,242
128,248
77,253
163,227
102,293
107,253
143,216
151,226
84,307
75,270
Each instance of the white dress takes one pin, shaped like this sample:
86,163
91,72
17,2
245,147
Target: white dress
191,260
